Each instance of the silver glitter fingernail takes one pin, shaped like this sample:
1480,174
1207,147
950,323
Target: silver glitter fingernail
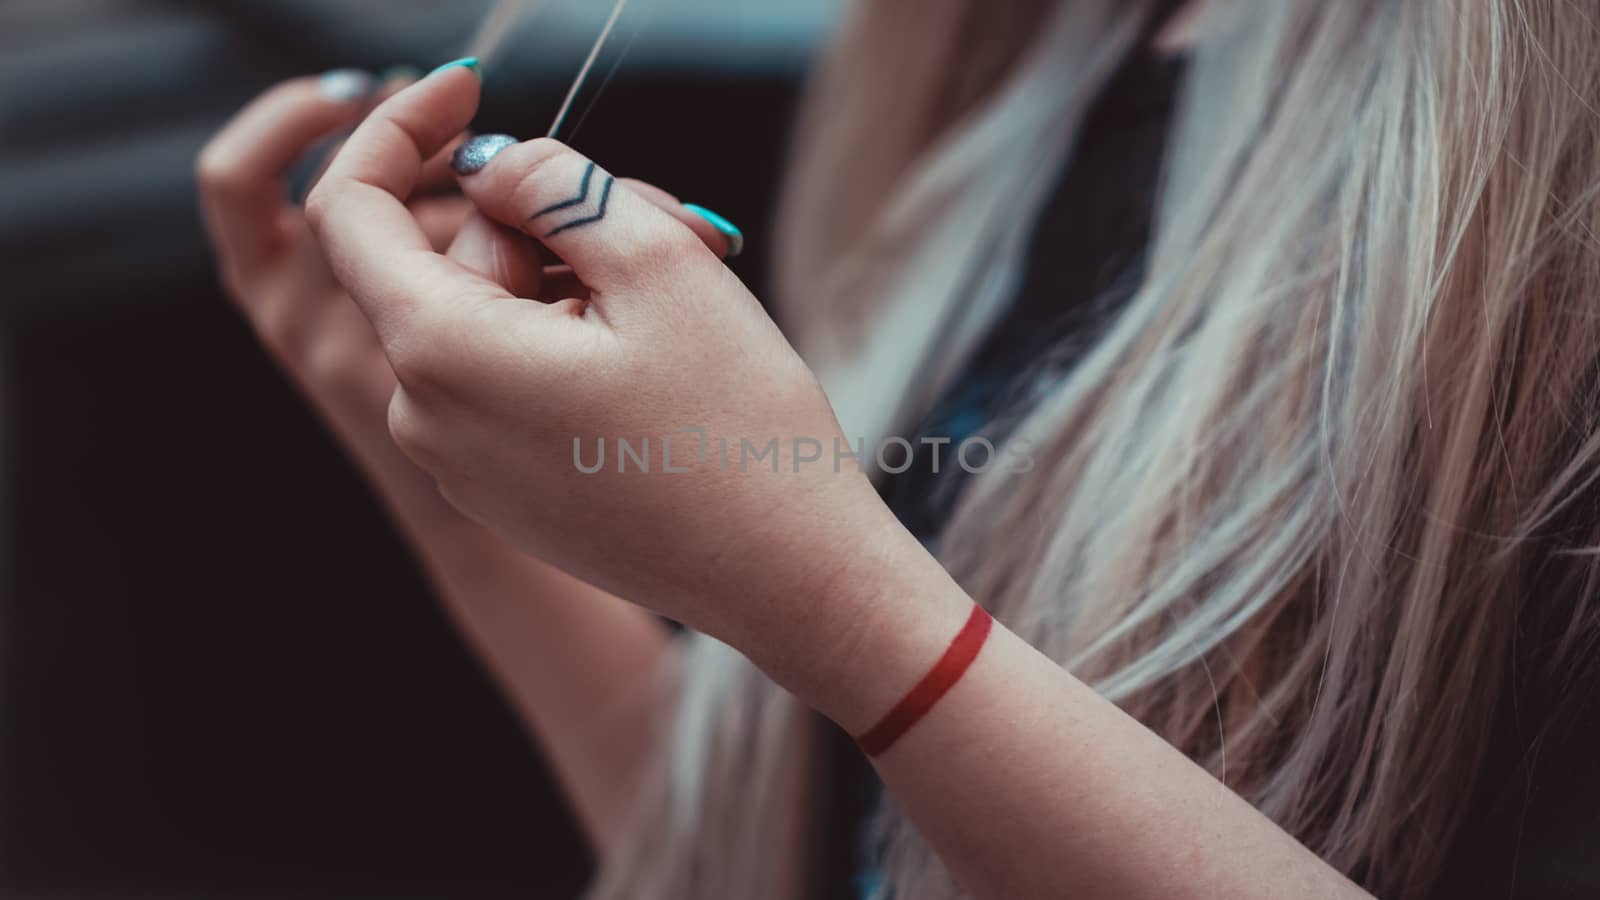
345,85
476,153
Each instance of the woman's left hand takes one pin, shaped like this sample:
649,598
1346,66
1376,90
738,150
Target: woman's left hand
500,398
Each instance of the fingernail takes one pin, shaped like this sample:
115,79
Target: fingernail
469,63
729,230
344,85
400,74
476,153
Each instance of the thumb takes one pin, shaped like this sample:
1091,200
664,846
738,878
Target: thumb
612,236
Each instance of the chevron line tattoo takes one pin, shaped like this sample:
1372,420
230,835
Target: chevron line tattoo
580,200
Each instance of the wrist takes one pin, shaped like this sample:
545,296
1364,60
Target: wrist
867,629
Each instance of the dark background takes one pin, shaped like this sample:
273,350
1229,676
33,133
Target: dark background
220,673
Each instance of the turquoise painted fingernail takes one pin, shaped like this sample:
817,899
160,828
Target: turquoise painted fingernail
729,230
469,63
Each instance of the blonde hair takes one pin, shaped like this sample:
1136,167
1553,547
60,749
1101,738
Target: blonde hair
1298,505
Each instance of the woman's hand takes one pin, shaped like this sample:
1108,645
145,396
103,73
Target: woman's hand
274,270
505,400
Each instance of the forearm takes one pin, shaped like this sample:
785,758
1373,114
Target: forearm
1024,780
1062,794
585,671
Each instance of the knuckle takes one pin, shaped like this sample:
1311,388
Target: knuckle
281,326
331,361
418,363
665,245
531,192
542,176
409,431
544,149
214,172
319,203
677,241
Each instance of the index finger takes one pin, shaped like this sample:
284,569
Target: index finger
358,209
240,171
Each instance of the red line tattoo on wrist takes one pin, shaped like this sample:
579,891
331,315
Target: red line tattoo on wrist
933,686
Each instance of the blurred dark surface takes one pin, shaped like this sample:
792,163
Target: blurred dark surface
220,673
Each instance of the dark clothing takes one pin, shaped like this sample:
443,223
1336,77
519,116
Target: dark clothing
1538,833
1086,256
